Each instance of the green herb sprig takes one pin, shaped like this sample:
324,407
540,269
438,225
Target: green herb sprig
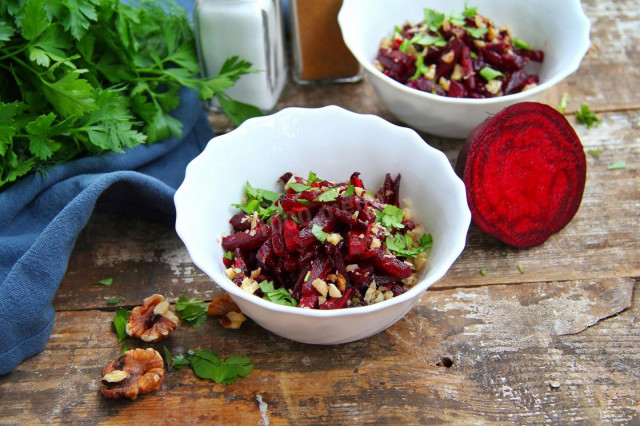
207,365
85,77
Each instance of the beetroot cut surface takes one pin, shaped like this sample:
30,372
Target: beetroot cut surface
525,171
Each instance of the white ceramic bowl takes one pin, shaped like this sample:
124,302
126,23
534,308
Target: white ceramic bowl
559,27
333,143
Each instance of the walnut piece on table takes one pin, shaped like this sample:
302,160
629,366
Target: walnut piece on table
228,313
153,321
136,372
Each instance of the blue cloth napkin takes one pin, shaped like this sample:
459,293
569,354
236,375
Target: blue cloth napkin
41,217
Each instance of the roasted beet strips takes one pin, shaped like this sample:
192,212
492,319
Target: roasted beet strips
463,55
325,245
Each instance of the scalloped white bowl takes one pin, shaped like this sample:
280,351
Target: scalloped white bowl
333,143
559,27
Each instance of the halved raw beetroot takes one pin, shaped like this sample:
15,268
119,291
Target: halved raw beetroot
525,172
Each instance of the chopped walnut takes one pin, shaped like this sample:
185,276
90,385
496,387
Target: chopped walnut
134,373
153,321
228,313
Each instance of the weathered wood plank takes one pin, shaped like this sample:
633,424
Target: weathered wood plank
540,352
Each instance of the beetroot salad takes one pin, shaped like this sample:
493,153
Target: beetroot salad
460,56
325,245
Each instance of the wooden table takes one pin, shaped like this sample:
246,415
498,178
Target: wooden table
559,342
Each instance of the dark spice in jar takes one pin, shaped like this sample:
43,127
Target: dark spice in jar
319,50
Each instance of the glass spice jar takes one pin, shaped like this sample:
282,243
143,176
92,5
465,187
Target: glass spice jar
253,30
319,52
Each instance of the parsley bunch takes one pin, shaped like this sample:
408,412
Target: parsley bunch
82,77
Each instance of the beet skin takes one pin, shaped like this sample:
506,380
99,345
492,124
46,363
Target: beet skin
525,172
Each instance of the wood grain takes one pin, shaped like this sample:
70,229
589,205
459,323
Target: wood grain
570,355
557,343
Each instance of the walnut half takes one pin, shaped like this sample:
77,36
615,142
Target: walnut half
153,321
228,313
136,372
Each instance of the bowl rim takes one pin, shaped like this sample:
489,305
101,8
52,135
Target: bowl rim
579,52
457,244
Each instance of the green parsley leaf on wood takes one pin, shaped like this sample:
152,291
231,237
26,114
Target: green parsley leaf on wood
192,311
120,323
586,116
620,164
105,281
207,365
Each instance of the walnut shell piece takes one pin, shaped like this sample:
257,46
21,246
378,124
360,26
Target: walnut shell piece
153,321
228,313
134,373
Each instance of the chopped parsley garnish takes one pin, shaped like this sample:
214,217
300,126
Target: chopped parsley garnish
261,201
476,32
106,281
402,244
390,217
120,323
520,268
124,349
280,296
329,195
350,190
192,311
483,272
318,232
490,74
299,187
427,40
470,12
521,44
433,19
228,255
115,300
620,164
588,117
563,102
594,152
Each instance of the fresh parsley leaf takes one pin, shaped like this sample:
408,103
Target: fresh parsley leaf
120,323
457,19
470,12
390,217
304,202
192,311
350,190
588,117
594,152
476,32
521,44
433,19
318,232
105,281
424,39
489,73
177,362
228,255
124,349
330,194
313,178
620,164
115,300
299,187
207,365
95,76
403,245
405,46
562,106
280,296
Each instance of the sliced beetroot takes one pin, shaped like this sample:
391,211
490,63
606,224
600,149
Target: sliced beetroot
525,172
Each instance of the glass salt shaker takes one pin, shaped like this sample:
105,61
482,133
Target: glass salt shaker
252,30
319,52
